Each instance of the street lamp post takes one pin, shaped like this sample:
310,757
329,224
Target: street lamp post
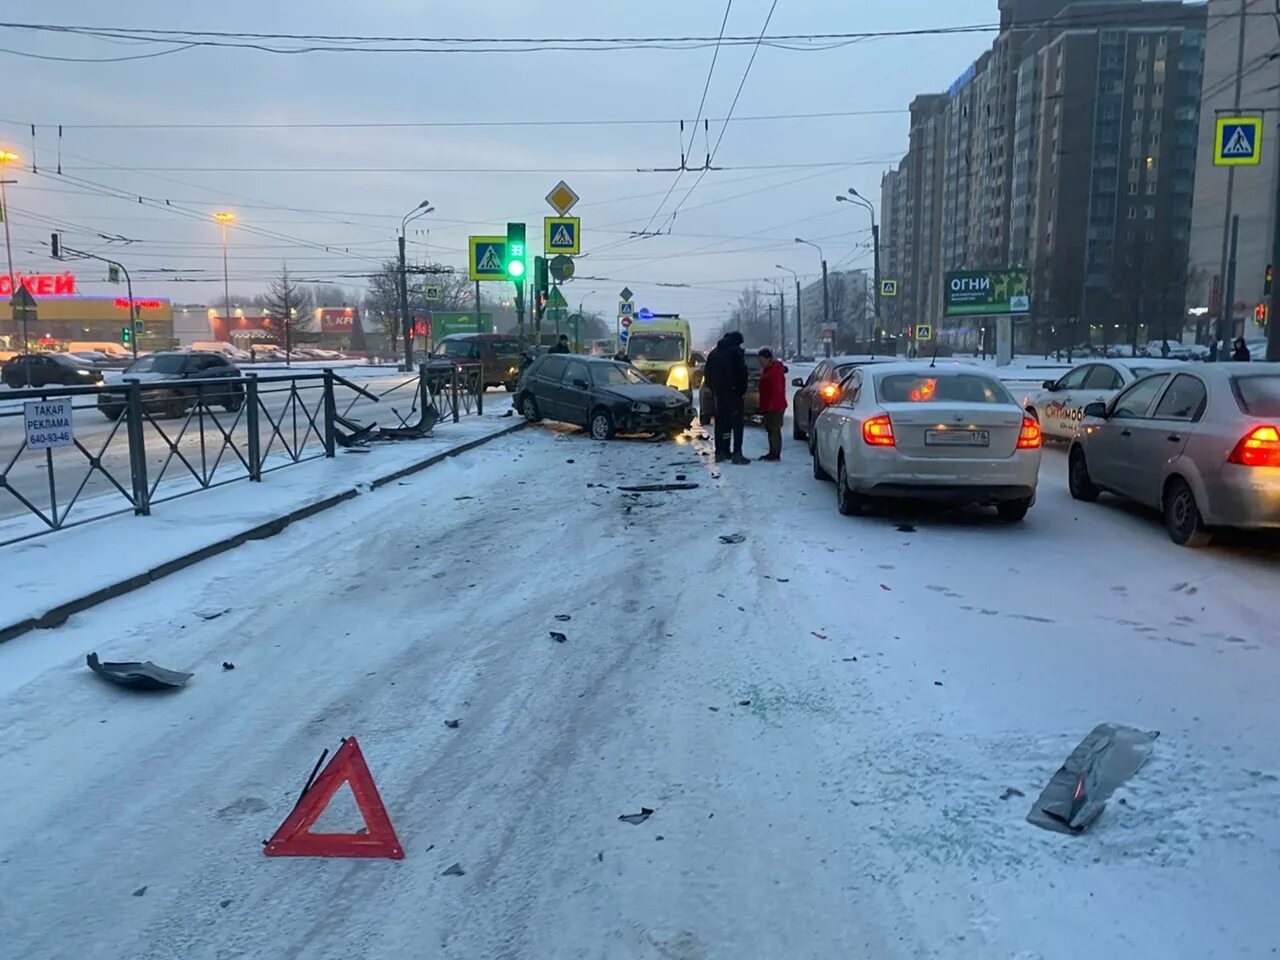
799,348
826,295
225,217
782,313
420,210
875,242
7,157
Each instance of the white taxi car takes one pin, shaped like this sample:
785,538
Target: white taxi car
1059,404
948,432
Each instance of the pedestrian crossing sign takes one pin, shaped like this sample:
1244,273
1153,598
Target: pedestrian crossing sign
561,235
924,331
488,258
1238,142
888,288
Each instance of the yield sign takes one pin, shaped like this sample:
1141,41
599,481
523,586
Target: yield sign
295,839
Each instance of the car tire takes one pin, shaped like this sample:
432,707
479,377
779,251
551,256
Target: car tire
600,424
847,502
176,408
529,407
111,413
1012,511
1182,516
818,472
234,403
1079,482
796,432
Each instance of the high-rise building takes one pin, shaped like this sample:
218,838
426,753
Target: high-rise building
1068,149
1244,46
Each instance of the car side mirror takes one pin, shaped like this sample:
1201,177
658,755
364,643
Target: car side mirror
1050,385
580,383
1096,409
797,382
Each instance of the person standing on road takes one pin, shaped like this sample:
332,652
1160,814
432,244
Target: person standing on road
773,401
726,373
1241,352
562,345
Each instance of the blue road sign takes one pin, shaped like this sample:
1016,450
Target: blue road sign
1238,142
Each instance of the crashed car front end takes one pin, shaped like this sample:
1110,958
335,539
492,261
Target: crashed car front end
668,415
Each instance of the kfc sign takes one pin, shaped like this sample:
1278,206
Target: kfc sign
337,319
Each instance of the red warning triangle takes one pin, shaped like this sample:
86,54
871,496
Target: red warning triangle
295,839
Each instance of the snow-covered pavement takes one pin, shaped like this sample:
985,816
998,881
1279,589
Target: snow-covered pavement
824,718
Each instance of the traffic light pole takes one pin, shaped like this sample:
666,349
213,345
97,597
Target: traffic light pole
404,309
519,285
59,248
1273,315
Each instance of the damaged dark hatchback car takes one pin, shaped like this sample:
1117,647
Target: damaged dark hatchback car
604,396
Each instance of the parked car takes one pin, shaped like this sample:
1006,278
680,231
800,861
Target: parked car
169,366
47,369
819,389
751,402
1201,444
498,354
918,430
1059,404
605,396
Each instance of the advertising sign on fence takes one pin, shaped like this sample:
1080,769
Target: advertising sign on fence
48,423
987,292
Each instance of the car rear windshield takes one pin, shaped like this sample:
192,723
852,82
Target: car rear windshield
941,388
158,363
1258,396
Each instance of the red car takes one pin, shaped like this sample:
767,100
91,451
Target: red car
818,392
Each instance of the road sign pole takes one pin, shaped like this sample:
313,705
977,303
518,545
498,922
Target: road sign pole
1273,317
479,327
1227,325
875,244
799,329
20,327
404,309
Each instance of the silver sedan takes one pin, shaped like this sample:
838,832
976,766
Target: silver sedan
946,432
1200,444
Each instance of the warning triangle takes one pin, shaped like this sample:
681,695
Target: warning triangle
294,837
1240,145
562,237
490,262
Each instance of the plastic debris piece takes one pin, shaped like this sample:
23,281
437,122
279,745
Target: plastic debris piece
141,891
658,487
635,819
137,675
212,614
452,724
454,871
563,617
732,537
744,703
228,665
558,637
1101,762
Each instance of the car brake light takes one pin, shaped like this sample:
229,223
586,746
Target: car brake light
829,392
1260,447
1030,437
878,431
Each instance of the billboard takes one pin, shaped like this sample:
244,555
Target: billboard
445,323
987,292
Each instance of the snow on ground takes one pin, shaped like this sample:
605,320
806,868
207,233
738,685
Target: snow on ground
824,718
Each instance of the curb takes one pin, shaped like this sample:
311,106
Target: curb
60,614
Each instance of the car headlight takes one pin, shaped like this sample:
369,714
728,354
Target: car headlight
678,377
84,373
511,370
639,408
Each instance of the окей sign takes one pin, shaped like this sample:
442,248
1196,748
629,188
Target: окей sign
39,284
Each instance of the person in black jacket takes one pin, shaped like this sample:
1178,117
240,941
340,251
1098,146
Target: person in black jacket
562,345
726,374
1241,352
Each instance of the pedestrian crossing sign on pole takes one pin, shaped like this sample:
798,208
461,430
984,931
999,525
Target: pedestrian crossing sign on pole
924,331
1238,142
488,258
561,235
888,288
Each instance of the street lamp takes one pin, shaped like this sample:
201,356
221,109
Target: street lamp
421,210
778,266
7,157
225,217
782,314
875,240
826,295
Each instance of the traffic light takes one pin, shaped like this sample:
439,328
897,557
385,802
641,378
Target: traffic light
55,244
539,285
515,251
1266,280
126,335
113,273
1260,314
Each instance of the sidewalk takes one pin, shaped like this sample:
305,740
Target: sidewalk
51,577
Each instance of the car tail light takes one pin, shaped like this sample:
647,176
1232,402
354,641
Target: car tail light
1260,447
829,392
878,431
1030,437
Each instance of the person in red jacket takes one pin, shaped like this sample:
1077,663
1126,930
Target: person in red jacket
773,400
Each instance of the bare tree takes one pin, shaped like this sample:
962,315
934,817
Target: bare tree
290,304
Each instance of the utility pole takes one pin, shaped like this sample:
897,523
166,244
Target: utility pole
7,157
1227,314
1273,312
875,247
406,324
1233,241
799,345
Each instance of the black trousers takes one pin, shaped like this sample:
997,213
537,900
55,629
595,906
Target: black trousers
729,423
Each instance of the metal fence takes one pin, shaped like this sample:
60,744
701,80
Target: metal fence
137,445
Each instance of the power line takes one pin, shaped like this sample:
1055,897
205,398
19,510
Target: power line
467,170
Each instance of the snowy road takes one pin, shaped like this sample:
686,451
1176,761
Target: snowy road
824,718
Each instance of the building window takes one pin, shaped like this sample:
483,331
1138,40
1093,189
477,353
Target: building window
1149,212
1151,188
1157,116
1133,189
1151,235
1132,214
1137,119
1133,164
1151,163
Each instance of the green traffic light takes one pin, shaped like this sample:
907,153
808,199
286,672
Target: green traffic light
515,268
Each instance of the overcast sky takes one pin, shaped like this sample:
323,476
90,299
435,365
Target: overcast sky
732,229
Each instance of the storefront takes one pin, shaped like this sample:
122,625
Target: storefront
63,317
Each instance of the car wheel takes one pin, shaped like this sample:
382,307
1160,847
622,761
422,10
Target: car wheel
1182,517
847,502
1078,480
177,407
812,436
111,413
529,407
818,472
601,424
234,403
1011,511
796,432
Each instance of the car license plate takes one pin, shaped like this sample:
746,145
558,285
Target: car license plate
957,438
